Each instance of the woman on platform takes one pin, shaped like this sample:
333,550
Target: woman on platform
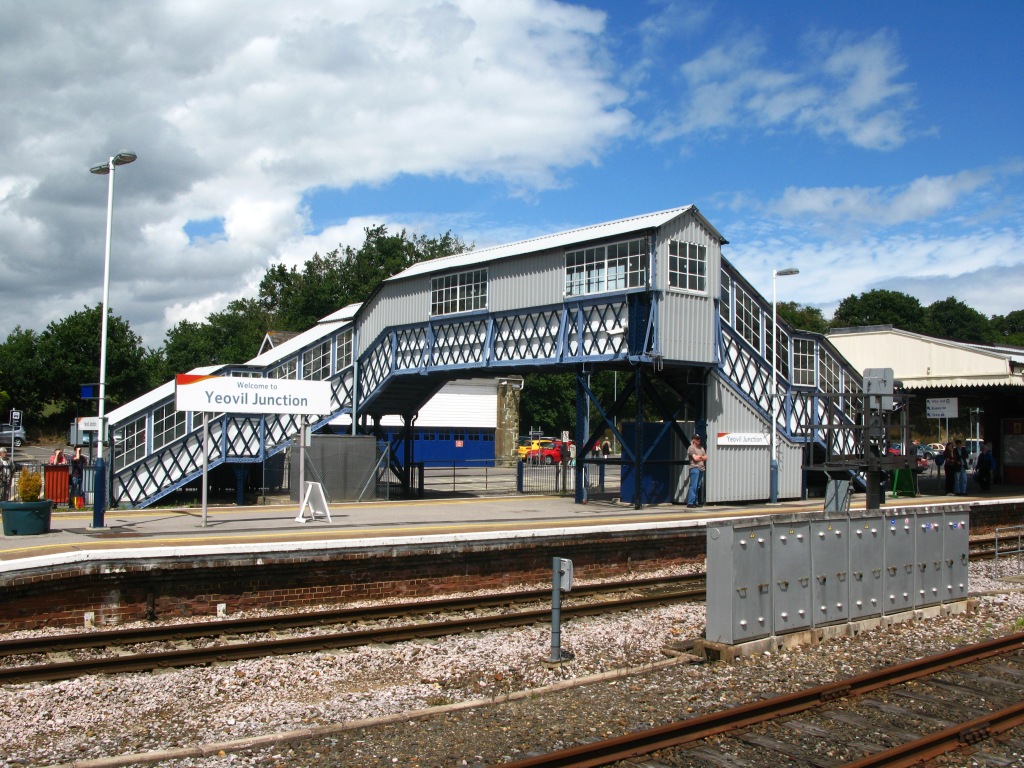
951,465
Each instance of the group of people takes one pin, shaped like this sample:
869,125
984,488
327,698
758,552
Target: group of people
955,460
76,470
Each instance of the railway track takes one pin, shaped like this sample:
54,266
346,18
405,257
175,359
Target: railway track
221,641
896,716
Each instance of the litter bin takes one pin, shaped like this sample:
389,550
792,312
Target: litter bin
56,479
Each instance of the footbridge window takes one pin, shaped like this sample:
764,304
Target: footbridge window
725,298
131,442
687,266
803,362
168,425
344,351
781,351
461,292
828,368
748,318
602,268
316,362
286,370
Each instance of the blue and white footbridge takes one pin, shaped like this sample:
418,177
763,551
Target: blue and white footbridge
649,296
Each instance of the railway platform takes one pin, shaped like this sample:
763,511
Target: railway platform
183,532
153,563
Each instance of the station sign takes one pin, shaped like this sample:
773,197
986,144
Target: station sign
236,394
941,407
743,438
89,423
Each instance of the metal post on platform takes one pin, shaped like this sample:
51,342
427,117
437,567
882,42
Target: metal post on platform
100,492
561,580
773,487
206,463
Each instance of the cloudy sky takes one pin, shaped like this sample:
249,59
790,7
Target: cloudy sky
871,144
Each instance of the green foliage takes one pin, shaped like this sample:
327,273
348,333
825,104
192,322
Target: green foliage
1008,329
297,300
805,318
880,307
548,403
69,352
30,484
954,320
231,336
19,372
294,300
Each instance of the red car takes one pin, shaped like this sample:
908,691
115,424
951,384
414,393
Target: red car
547,453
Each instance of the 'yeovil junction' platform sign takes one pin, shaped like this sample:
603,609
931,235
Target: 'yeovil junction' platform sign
231,394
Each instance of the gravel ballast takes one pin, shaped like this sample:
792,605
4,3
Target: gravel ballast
477,700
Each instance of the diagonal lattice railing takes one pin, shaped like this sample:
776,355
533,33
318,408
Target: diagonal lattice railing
579,331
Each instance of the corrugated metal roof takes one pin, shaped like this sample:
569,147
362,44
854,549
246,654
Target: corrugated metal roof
926,362
545,242
963,381
345,313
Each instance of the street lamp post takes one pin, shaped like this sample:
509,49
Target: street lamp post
100,484
773,490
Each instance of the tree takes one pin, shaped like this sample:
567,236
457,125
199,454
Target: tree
805,318
20,368
69,353
231,336
297,300
1008,329
952,319
548,402
880,307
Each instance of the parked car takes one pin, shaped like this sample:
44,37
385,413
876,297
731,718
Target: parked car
527,444
922,460
932,448
550,452
7,433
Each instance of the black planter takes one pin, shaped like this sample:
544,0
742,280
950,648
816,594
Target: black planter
26,518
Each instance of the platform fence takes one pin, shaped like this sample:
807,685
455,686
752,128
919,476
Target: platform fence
1009,546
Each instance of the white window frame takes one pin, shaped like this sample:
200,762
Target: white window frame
458,292
687,266
725,298
316,362
343,350
781,351
132,446
168,425
289,369
805,367
748,318
829,373
603,268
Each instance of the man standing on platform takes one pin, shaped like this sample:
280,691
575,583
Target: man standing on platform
698,458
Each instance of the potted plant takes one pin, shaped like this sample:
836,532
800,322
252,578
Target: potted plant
30,515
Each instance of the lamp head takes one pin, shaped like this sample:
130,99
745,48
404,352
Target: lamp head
784,272
121,158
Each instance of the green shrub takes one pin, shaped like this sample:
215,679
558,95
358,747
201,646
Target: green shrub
29,485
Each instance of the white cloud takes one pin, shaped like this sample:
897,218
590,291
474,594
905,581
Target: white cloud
841,88
974,265
916,202
236,109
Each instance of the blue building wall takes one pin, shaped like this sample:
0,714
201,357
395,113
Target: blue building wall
441,446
